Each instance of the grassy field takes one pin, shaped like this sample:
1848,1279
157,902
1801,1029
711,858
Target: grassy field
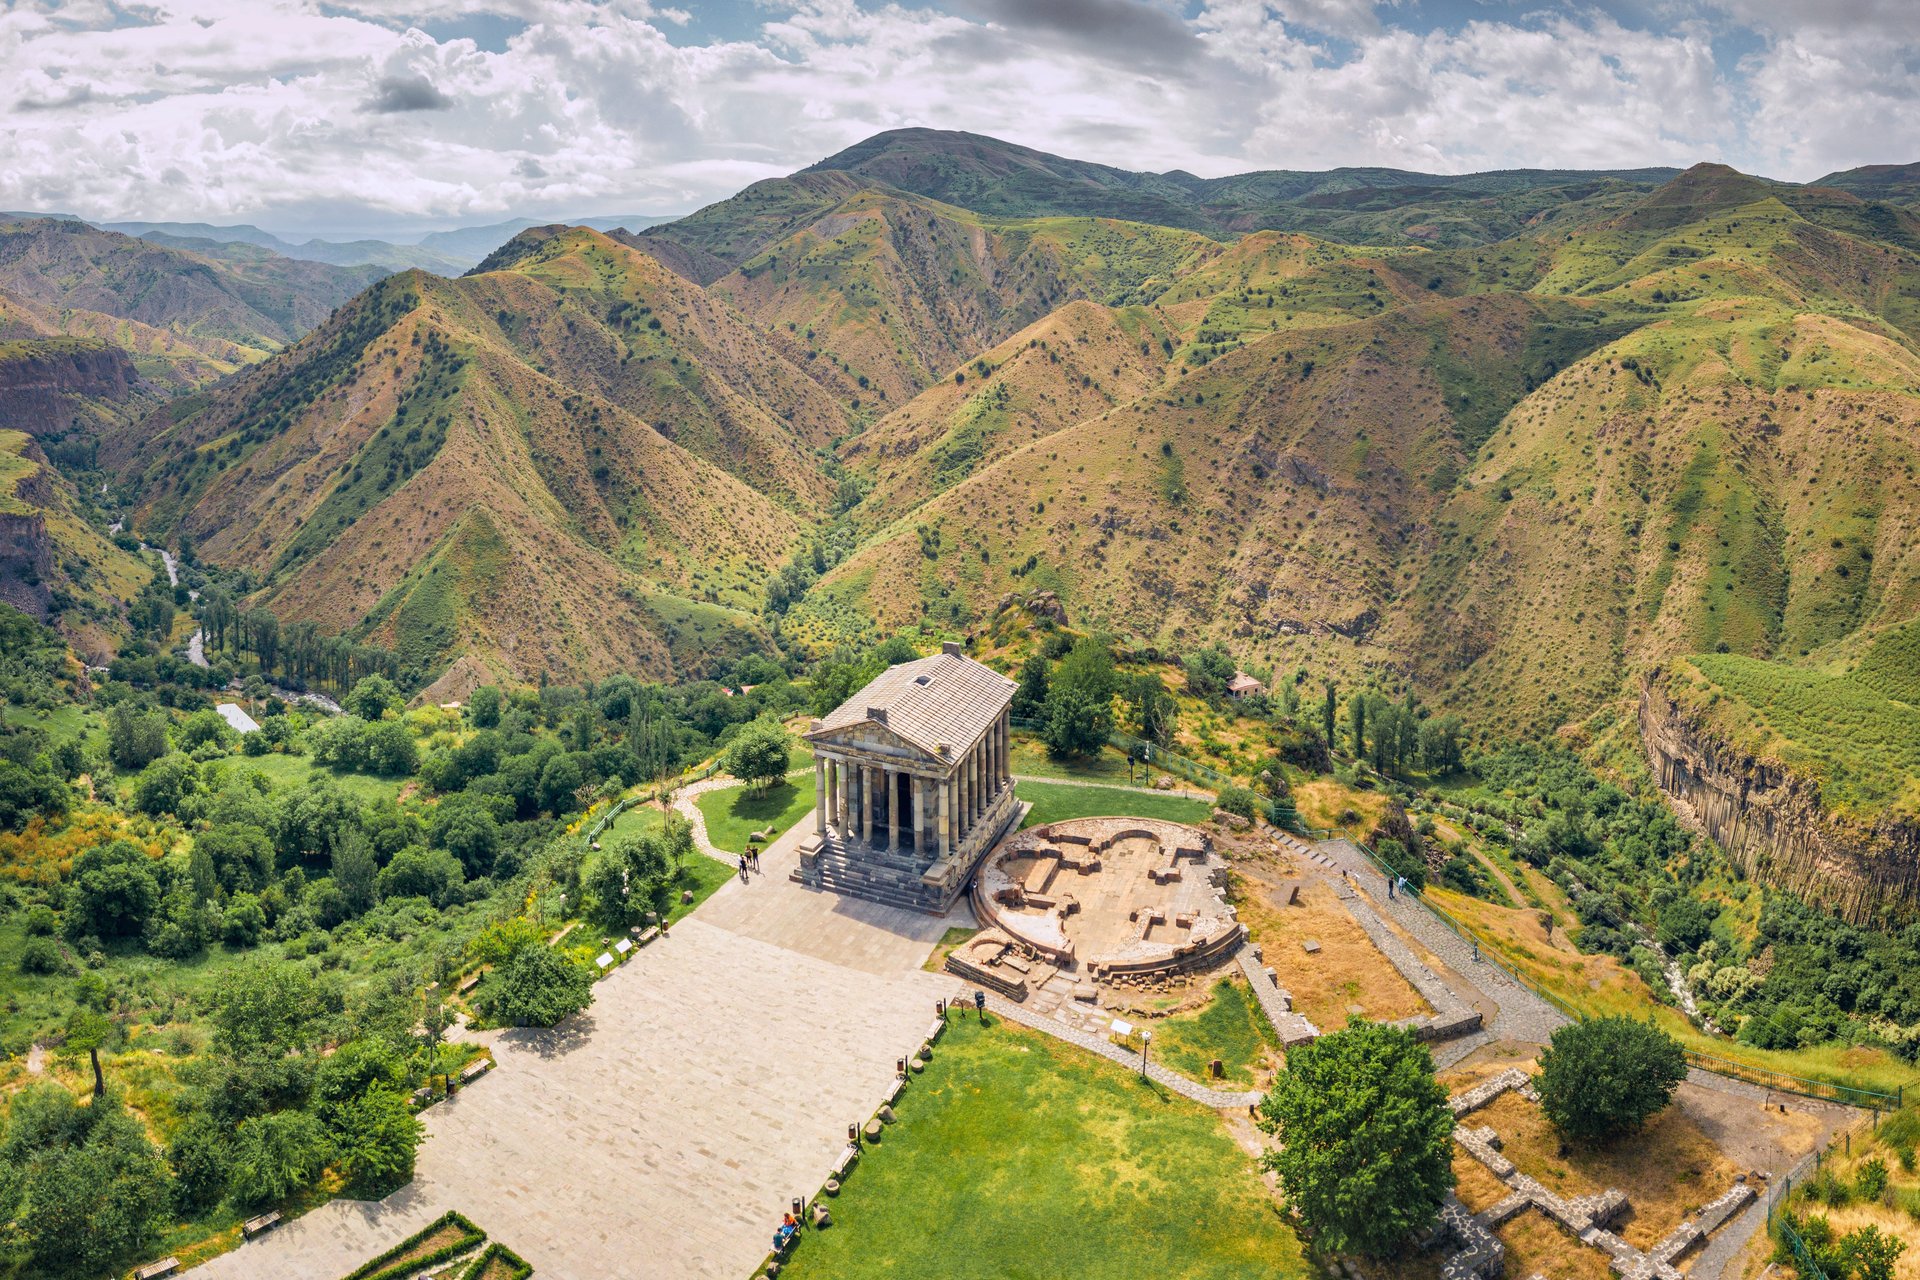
1017,1155
1863,746
1053,801
1230,1028
734,813
702,875
635,820
1030,760
289,771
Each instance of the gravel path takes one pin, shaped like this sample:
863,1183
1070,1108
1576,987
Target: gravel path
684,805
1519,1014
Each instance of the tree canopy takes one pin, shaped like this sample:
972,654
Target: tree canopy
1367,1139
1602,1078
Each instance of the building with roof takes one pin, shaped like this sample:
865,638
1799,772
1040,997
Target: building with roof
1244,686
912,782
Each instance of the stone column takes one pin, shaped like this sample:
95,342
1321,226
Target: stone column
919,786
979,778
944,812
866,801
963,784
820,795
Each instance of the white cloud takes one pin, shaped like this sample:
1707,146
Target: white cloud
302,116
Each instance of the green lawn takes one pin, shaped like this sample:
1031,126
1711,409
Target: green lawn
1053,801
702,875
287,771
636,820
1018,1156
733,813
1229,1028
1030,760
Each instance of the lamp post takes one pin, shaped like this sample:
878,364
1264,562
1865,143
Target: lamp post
1146,1042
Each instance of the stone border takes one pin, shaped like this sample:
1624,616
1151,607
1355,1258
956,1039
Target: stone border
1479,1255
1276,1002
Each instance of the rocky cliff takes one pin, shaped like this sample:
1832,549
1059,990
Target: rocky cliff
44,383
1773,823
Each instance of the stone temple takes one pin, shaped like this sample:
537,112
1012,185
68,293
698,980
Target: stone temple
913,783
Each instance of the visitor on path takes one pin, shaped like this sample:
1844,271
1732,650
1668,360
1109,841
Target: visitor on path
743,867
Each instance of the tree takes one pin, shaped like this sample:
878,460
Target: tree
1869,1253
1151,710
276,1155
1327,713
465,826
758,754
113,891
264,1009
135,738
1603,1078
537,987
88,1029
371,698
1440,743
170,785
243,921
1367,1139
92,1189
433,874
1030,699
1357,724
390,749
206,728
1079,711
1208,672
376,1138
630,879
483,708
354,870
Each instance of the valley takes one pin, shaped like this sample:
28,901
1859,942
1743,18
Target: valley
1535,554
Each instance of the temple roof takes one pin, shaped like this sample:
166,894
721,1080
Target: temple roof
942,704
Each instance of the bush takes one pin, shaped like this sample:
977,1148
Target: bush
517,1267
43,956
383,1268
537,987
1871,1180
1238,801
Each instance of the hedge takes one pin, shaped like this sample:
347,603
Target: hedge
517,1267
385,1268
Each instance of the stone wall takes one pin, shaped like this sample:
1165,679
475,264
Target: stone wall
1773,824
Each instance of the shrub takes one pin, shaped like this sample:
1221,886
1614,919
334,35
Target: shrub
1871,1179
1238,801
43,956
384,1267
518,1268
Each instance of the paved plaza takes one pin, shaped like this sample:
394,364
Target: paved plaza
661,1132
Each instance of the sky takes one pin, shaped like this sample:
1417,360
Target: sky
389,117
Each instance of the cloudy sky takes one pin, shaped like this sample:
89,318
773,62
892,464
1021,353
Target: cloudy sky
384,116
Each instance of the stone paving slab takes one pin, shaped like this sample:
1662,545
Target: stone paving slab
712,1079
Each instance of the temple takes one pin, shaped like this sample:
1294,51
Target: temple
912,782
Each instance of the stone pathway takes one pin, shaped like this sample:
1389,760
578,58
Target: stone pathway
711,1081
684,804
1519,1014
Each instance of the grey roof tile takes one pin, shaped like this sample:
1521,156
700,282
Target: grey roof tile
947,699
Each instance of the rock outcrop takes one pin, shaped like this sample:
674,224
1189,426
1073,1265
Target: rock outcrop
43,383
1772,822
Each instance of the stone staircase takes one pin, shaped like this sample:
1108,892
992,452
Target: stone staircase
871,874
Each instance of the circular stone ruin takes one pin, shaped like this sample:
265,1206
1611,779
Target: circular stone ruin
1118,902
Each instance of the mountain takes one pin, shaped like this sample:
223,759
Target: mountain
1896,183
206,238
569,460
1549,431
468,245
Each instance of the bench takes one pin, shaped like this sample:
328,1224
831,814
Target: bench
467,984
893,1094
265,1222
845,1162
164,1267
935,1028
475,1069
648,934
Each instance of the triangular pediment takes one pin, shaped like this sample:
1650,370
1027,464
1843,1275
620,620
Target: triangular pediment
870,735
